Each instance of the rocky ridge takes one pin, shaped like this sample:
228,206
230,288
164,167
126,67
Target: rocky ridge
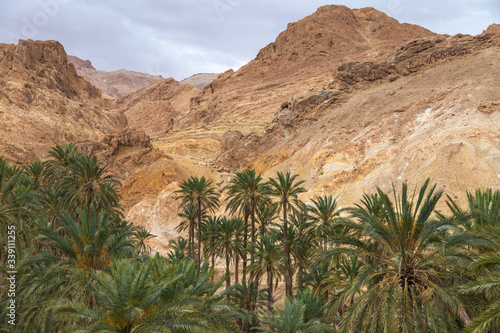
395,103
348,99
113,84
44,102
155,107
200,80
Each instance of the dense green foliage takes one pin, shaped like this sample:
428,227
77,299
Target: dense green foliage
392,262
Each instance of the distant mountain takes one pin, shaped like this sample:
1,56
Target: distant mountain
113,84
201,80
154,107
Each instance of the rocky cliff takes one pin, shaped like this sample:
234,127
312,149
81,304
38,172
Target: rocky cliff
44,102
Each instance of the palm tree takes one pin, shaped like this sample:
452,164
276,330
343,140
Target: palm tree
142,235
92,239
18,204
265,214
268,258
301,239
87,183
200,192
286,190
130,299
225,243
303,313
245,191
488,285
209,233
323,211
190,214
405,251
178,250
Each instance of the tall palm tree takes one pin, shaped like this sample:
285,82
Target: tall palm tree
245,191
199,191
301,239
142,236
225,243
87,183
268,260
323,211
286,190
209,234
190,214
405,251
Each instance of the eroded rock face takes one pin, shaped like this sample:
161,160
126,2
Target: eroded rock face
410,58
113,84
155,108
44,102
301,58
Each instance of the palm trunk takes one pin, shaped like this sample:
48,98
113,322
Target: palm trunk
250,284
228,276
269,289
245,244
236,268
190,244
248,300
198,261
213,258
299,276
288,276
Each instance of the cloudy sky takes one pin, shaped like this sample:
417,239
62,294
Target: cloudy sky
183,37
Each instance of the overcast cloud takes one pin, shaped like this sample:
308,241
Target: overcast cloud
181,38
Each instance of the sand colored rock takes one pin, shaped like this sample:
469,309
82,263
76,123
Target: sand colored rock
113,84
155,107
44,102
348,99
390,103
200,80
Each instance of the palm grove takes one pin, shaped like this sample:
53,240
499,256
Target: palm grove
390,263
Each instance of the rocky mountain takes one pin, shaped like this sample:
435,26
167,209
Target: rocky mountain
44,102
113,84
201,80
348,99
155,107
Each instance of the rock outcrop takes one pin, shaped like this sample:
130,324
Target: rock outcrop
44,102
